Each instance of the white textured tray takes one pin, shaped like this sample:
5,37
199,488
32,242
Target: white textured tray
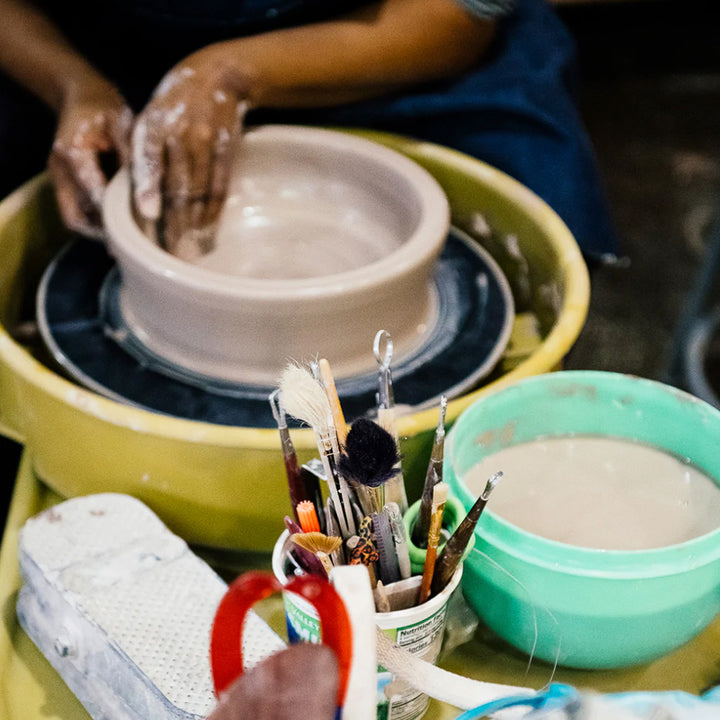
123,609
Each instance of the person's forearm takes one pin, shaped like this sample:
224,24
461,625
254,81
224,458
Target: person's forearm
383,47
35,54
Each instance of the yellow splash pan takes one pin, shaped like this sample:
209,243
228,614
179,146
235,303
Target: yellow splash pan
225,486
30,689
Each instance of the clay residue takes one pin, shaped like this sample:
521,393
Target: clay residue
572,389
496,436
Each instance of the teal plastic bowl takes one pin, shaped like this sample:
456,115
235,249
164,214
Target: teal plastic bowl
583,607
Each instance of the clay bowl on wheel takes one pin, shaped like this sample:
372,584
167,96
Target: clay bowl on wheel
324,239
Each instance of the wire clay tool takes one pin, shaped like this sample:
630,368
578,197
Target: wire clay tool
383,351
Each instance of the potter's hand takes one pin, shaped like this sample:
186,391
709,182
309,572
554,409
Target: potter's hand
181,154
93,121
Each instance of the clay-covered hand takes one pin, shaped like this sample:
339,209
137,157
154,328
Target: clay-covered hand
182,148
94,121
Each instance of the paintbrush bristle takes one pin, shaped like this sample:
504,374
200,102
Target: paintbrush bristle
440,493
304,398
317,542
371,454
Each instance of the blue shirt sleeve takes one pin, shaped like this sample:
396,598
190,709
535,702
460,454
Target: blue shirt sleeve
488,9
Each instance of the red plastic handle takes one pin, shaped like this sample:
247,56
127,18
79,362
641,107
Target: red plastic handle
226,658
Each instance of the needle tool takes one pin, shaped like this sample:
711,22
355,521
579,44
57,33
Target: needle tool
433,476
383,351
440,493
454,548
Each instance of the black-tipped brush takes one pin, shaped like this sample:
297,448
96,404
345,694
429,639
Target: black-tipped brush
369,461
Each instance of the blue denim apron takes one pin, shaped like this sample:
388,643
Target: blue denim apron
516,111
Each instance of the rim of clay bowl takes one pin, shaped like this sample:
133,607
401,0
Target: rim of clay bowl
534,549
417,250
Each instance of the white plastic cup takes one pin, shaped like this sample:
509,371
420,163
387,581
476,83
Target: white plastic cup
418,629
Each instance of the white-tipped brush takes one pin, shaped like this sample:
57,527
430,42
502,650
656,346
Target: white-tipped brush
304,397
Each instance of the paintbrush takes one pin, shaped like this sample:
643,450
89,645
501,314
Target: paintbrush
369,461
304,398
383,351
454,548
306,560
322,373
328,382
296,485
440,493
319,545
433,476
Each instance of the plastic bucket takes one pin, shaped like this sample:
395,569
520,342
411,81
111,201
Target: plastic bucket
578,606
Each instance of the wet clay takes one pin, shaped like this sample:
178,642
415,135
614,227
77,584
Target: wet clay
295,240
600,492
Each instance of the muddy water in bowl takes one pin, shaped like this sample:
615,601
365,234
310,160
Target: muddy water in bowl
615,494
325,239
